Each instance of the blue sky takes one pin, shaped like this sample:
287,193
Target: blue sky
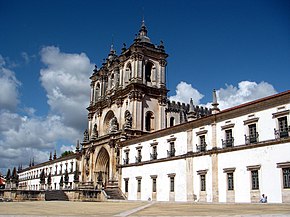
240,48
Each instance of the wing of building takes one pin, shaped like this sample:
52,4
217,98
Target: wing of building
145,146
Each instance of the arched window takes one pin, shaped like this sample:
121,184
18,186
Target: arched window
148,69
97,92
112,81
149,118
171,121
128,75
106,124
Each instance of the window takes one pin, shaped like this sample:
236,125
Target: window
139,155
202,182
149,121
154,184
286,177
230,177
126,159
148,69
283,127
229,140
254,169
153,155
202,176
71,167
171,121
171,151
255,179
202,144
126,185
172,184
253,134
138,185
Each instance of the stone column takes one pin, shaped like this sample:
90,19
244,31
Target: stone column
214,162
189,168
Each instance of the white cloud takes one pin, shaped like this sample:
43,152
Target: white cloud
65,77
9,96
184,92
66,81
64,148
245,92
229,96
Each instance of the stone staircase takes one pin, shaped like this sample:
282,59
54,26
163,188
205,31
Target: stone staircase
56,195
114,193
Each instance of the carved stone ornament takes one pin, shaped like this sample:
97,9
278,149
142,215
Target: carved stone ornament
163,63
128,120
135,95
119,102
95,133
162,101
140,57
113,125
86,136
99,112
87,162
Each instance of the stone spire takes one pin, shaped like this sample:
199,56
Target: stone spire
191,113
54,155
214,104
142,35
78,147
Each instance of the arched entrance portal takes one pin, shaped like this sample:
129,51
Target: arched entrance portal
102,168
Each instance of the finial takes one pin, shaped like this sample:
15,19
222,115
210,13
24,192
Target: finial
54,155
50,156
191,106
124,48
78,146
32,161
214,104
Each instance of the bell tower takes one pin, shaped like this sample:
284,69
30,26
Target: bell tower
129,91
128,99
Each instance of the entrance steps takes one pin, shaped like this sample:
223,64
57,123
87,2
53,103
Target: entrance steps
114,193
56,195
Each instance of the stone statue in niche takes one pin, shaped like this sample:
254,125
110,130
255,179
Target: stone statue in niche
128,120
86,136
95,133
113,125
87,161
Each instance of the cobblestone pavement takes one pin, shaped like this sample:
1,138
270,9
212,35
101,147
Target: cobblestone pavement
130,209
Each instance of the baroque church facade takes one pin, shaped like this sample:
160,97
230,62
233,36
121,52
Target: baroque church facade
145,147
128,100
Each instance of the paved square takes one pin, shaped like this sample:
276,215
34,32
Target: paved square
124,209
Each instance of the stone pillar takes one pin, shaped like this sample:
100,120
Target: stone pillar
112,166
162,73
214,162
189,169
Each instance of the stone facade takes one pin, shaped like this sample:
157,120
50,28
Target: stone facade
151,148
128,100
